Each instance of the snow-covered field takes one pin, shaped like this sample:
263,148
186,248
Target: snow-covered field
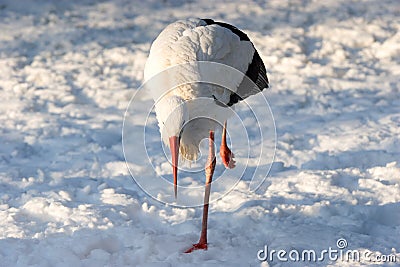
68,70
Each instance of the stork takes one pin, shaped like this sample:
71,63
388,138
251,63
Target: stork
194,40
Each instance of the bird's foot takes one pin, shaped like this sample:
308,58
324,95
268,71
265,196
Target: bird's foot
197,247
227,157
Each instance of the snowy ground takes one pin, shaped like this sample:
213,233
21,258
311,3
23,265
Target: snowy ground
68,71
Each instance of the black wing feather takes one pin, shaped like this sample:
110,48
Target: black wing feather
256,71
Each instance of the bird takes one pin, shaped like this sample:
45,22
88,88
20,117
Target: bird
192,112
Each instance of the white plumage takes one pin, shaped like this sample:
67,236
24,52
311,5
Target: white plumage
194,98
195,40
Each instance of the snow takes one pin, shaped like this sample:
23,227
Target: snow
68,72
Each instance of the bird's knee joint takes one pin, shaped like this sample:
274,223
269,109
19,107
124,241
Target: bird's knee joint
210,166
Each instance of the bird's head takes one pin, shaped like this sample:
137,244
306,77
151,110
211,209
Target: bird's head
172,114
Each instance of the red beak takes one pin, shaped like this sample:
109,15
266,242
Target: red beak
174,146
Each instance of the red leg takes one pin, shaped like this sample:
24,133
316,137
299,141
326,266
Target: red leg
210,166
226,154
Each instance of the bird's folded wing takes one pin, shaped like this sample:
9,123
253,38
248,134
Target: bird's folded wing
206,40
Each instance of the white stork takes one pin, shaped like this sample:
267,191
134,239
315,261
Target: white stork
195,40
